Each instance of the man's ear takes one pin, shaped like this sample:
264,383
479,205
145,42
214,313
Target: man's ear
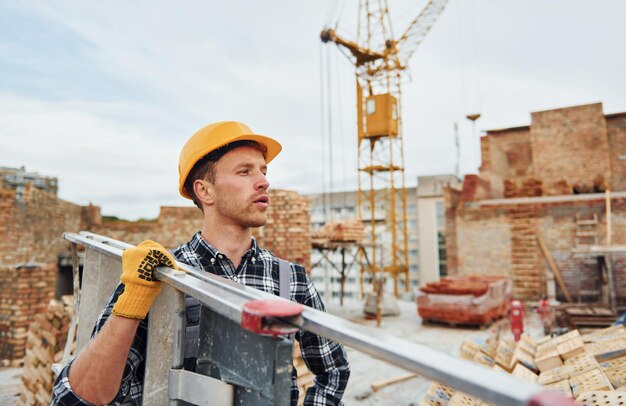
204,191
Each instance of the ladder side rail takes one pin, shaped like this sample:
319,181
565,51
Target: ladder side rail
100,277
489,385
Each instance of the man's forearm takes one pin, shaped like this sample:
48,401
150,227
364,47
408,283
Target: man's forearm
96,374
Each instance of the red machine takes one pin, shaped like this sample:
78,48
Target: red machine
516,318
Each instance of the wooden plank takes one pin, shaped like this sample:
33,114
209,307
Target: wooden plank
378,385
554,268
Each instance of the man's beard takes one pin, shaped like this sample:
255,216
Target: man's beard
244,214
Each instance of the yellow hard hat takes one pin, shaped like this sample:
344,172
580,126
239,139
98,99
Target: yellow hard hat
214,136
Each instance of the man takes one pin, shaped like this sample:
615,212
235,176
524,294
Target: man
222,168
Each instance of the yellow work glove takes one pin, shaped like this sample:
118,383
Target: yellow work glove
140,286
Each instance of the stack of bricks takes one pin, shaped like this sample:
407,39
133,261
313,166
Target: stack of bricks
465,300
288,230
589,368
526,267
348,230
24,292
47,336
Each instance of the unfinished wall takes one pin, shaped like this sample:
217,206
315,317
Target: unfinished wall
32,223
506,157
571,144
451,200
568,152
24,292
288,229
616,128
31,227
483,240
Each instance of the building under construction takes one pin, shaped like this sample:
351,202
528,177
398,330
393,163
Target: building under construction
549,202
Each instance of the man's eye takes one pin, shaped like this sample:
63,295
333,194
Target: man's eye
244,172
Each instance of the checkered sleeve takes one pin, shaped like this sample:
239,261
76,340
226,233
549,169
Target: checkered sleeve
132,380
326,359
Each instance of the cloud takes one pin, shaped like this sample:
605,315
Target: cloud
103,95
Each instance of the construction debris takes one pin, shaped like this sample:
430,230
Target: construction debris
45,345
590,368
577,316
379,385
466,300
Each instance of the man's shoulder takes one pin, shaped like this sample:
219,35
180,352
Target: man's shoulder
187,252
269,255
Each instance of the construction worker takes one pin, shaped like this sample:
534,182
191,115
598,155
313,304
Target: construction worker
222,168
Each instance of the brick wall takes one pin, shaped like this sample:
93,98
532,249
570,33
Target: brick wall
506,157
288,229
616,128
481,242
31,228
574,150
571,144
24,292
451,198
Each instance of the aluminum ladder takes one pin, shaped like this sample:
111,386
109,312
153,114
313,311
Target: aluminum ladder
263,377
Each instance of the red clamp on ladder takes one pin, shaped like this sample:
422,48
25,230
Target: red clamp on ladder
268,316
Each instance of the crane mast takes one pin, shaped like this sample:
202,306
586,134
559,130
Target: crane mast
380,61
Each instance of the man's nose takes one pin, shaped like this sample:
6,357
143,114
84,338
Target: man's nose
262,183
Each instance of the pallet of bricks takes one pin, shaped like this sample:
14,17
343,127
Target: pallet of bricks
45,344
590,368
348,230
465,300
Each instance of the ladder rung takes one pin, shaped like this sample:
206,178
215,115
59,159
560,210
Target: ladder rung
586,222
586,234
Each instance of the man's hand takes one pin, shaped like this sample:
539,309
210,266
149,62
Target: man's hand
140,286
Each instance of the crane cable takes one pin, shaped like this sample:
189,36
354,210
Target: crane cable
323,132
341,133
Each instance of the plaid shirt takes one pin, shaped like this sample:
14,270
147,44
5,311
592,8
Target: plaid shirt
258,269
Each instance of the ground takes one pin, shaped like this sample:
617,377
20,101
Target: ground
9,385
366,370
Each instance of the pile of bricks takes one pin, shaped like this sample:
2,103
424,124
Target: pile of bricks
465,300
341,230
589,367
25,291
46,342
287,232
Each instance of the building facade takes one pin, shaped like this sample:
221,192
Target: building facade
425,236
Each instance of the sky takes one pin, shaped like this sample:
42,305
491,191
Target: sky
102,95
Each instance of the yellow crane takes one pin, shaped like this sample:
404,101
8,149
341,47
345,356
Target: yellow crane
380,61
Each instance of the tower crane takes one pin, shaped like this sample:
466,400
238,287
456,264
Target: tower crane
380,61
